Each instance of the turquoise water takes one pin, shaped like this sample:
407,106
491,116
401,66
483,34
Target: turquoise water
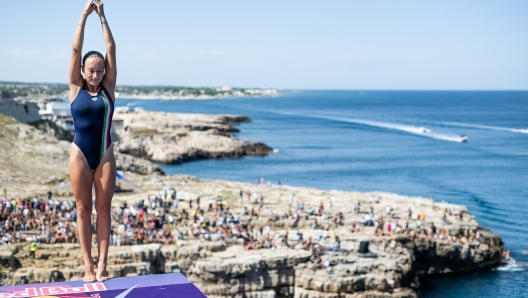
374,140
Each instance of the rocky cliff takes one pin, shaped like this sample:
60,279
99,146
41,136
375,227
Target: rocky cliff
229,271
175,137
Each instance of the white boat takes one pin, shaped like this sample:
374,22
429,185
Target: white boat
464,139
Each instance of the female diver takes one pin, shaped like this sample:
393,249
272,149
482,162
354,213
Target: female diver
92,158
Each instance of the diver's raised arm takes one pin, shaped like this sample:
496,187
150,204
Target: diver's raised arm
109,80
75,77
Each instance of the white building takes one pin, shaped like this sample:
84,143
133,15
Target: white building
56,109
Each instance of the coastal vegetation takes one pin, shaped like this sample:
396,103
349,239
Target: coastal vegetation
31,90
50,91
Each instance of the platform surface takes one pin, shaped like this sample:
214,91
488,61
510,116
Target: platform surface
159,285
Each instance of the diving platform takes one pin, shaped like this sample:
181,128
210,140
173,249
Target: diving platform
159,285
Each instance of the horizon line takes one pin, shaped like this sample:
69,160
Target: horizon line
297,89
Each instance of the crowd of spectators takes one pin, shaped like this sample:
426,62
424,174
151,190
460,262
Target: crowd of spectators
41,220
388,225
166,219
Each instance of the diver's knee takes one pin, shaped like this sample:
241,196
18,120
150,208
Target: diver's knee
84,212
103,210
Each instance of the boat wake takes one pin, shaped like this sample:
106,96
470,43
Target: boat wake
416,130
485,127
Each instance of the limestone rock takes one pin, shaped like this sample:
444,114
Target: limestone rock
174,138
129,163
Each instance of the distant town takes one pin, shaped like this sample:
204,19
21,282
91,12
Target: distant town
38,92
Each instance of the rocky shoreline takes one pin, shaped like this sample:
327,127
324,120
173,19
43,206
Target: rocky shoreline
171,138
325,263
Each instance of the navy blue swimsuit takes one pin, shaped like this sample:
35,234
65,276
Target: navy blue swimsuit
92,119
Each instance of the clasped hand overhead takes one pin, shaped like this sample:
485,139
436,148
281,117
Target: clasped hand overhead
92,5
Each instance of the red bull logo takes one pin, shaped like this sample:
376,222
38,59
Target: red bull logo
55,290
160,285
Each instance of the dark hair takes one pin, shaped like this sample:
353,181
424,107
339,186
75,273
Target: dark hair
92,54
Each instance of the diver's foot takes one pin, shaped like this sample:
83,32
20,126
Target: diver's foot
102,275
103,278
89,277
89,274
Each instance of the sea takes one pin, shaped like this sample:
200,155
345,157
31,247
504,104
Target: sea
463,147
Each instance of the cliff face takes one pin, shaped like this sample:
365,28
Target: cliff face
438,257
297,274
256,273
222,271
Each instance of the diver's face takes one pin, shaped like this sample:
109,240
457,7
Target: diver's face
93,69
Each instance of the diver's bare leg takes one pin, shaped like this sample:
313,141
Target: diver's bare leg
81,178
104,181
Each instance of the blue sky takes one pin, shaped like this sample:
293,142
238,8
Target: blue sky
438,45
